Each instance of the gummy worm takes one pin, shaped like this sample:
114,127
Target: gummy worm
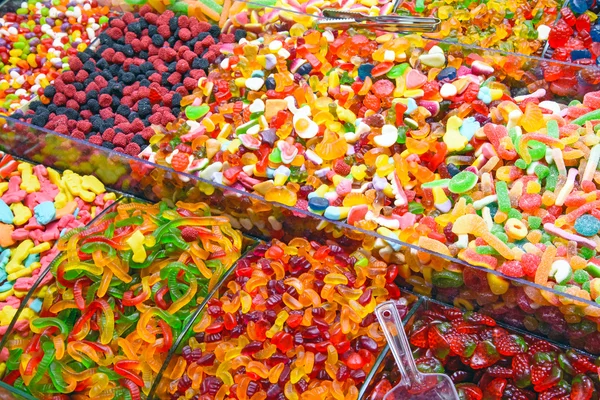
550,141
142,329
40,323
133,388
123,368
591,116
553,229
58,380
44,365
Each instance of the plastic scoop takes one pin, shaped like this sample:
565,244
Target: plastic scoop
414,384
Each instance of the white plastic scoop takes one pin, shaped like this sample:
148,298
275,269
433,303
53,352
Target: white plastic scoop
414,384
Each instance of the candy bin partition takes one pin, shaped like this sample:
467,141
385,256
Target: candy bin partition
249,211
485,358
127,299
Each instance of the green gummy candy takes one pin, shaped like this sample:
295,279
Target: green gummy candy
593,270
447,279
275,156
591,116
503,198
537,150
534,222
512,213
552,178
397,71
580,276
520,163
415,208
502,236
486,250
541,171
402,134
463,182
552,127
587,253
212,5
195,112
179,8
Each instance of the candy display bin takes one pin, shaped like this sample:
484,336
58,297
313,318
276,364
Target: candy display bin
41,283
59,311
212,332
573,367
251,213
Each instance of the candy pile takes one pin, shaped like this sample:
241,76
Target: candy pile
125,287
36,41
487,361
520,27
37,206
576,36
294,320
420,145
136,77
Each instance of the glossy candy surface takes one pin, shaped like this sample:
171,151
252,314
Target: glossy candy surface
486,361
576,36
124,289
294,320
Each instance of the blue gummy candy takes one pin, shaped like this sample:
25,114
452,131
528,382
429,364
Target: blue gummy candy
579,54
318,203
595,33
579,6
587,225
44,212
447,73
365,70
304,69
469,127
31,259
6,215
36,305
332,213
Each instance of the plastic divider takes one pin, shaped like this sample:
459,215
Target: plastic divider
192,320
249,211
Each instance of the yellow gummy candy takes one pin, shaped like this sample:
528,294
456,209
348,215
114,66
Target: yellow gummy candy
21,212
453,139
18,256
30,182
91,183
3,188
136,242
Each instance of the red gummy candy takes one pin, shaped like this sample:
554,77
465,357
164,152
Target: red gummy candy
560,34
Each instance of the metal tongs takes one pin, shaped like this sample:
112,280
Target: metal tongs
390,23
